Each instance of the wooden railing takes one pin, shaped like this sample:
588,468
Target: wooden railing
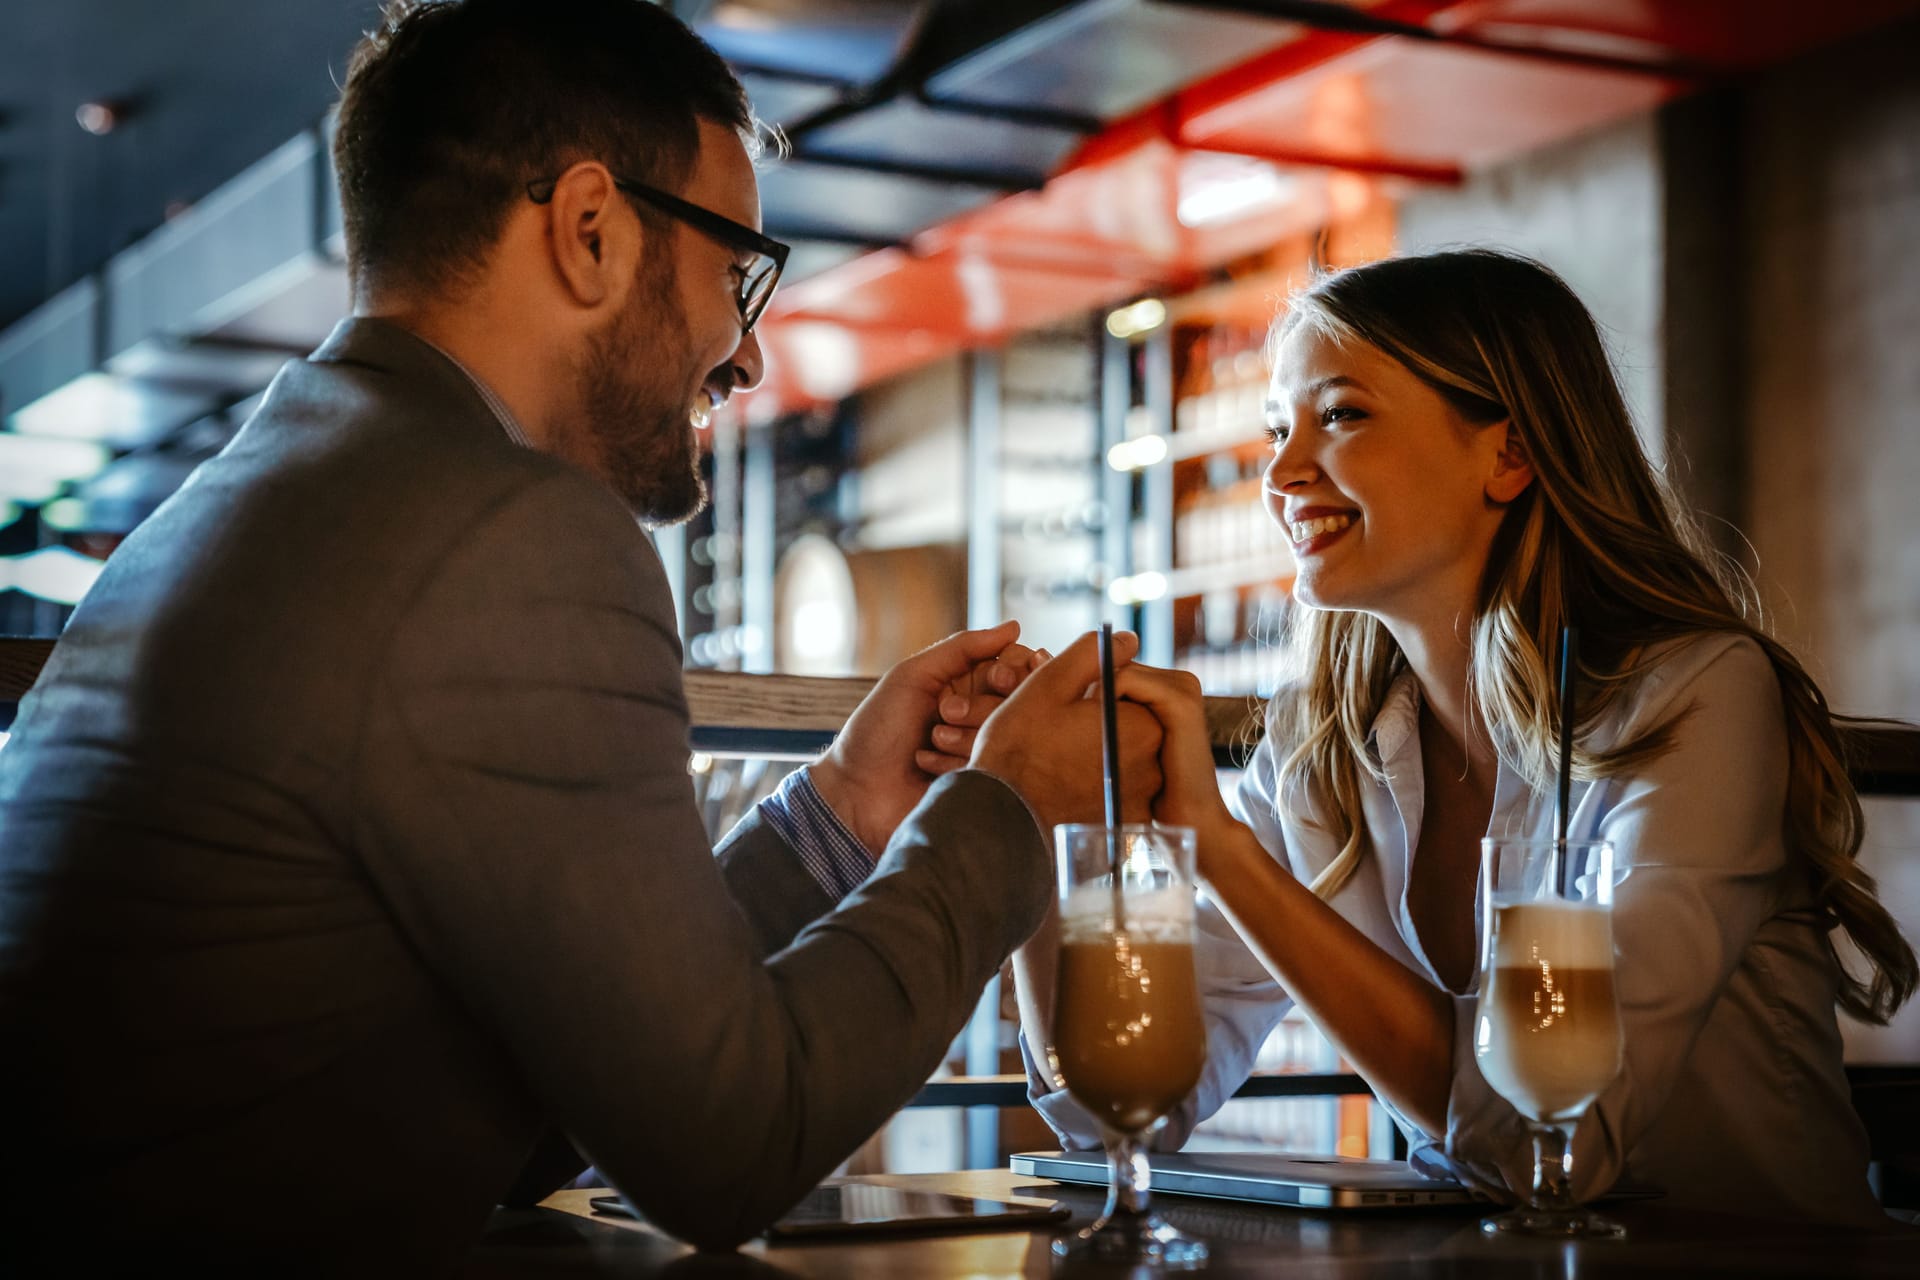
797,716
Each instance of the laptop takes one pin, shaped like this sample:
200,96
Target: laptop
1268,1177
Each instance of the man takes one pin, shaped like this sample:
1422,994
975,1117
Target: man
347,846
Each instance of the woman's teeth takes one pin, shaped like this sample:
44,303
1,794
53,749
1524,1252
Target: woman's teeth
1301,530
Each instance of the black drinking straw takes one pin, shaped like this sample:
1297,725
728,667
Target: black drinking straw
1110,761
1569,659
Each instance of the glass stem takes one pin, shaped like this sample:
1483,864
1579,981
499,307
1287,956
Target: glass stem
1129,1181
1553,1167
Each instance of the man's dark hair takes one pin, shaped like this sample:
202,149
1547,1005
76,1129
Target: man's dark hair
452,106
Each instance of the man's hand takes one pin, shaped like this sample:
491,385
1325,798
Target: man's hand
1044,740
971,700
869,777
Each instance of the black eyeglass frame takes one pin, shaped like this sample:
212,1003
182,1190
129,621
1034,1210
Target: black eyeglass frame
735,235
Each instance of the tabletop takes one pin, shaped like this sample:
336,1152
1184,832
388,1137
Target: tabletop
565,1237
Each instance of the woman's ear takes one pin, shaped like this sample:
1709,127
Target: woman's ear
1512,468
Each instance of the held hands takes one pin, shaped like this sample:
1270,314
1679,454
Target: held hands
1190,795
1190,790
981,698
968,703
1045,739
872,776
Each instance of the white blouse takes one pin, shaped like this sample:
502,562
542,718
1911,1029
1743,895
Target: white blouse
1732,1096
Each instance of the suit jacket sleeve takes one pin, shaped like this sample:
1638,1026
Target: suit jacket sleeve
776,894
524,807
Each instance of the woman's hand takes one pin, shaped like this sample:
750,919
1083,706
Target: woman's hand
1045,740
1189,789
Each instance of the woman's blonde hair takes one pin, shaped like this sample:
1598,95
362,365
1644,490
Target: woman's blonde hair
1596,541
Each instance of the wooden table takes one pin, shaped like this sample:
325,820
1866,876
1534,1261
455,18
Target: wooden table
564,1237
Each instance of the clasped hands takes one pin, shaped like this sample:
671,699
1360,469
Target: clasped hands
980,699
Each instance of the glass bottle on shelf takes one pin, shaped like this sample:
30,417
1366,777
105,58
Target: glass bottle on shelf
1193,384
1224,381
1222,476
1250,373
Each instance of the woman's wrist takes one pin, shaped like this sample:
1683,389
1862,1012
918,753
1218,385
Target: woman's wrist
1227,850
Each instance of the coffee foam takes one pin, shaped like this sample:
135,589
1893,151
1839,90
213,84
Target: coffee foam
1157,915
1573,935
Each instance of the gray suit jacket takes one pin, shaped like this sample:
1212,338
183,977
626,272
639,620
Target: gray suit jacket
347,841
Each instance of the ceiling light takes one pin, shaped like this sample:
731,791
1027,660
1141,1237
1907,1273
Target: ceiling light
67,515
100,406
1137,455
102,117
51,573
51,456
36,468
1143,316
1221,188
1138,589
740,17
29,489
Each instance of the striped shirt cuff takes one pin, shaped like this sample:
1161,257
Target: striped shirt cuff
830,853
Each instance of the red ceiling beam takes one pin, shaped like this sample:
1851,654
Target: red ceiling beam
1510,75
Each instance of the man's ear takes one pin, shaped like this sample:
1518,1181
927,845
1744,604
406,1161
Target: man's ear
1512,468
593,234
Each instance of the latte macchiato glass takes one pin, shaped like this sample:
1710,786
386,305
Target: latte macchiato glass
1128,1038
1548,1033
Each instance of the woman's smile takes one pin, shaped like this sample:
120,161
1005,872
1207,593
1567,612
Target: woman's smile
1314,529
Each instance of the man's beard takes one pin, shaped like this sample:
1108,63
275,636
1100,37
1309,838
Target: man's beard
631,391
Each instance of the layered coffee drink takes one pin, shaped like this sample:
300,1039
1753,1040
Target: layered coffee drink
1548,1034
1127,1030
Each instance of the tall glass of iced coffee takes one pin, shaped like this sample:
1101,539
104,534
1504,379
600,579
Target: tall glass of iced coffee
1128,1039
1548,1033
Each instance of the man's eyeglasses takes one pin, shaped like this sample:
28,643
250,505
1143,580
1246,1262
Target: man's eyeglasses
765,257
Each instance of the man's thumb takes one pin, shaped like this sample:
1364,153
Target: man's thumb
960,652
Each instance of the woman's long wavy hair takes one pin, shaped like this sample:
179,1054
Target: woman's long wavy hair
1596,542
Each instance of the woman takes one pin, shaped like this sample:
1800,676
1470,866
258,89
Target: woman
1459,477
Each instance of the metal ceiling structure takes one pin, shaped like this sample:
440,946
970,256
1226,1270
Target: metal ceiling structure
960,169
1292,101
